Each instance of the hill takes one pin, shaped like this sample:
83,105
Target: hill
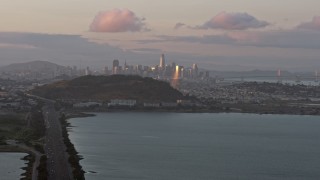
34,66
39,70
110,87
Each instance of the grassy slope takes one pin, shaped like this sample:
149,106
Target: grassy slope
110,87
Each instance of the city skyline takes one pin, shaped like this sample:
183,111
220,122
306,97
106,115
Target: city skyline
222,35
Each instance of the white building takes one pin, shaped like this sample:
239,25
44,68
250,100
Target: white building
122,102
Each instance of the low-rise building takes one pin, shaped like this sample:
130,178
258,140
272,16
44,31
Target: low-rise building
122,102
87,104
169,104
185,102
153,105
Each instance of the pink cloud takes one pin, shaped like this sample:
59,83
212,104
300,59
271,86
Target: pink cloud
117,20
314,24
233,21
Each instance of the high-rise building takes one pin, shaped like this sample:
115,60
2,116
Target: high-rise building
207,75
125,64
279,76
179,72
106,70
195,71
87,71
115,66
173,66
162,64
115,63
182,73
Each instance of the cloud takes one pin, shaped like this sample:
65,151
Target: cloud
278,39
146,50
207,39
16,46
274,39
117,20
314,24
150,41
179,25
233,21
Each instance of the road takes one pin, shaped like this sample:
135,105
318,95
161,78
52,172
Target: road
57,159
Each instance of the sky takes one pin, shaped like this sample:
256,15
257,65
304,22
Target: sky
215,34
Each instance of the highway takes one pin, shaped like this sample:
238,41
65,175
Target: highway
57,159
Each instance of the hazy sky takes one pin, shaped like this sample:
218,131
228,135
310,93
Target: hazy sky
228,34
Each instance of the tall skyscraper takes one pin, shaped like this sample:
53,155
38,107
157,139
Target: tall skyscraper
179,72
162,64
115,66
195,71
115,63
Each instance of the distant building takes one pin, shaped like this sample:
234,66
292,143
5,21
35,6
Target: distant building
32,102
3,94
87,104
195,71
153,105
185,102
88,72
162,64
106,70
207,75
10,105
169,104
115,66
122,102
179,72
173,66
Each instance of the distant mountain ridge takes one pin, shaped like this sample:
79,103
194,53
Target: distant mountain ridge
33,66
35,70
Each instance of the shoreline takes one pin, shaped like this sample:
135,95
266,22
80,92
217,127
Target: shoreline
74,157
89,113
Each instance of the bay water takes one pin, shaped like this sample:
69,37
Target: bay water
197,146
10,165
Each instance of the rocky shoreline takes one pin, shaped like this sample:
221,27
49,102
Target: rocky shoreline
250,110
74,157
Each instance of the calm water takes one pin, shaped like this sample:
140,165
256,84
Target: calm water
10,165
180,146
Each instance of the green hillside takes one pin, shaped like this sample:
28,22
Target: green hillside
110,87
